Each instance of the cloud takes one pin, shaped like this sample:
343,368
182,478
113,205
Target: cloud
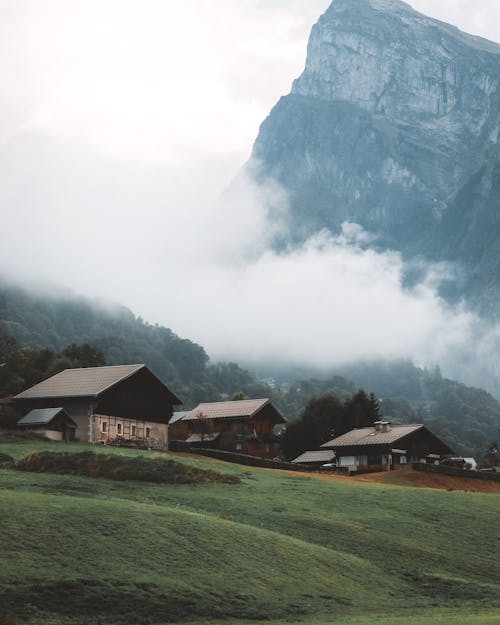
120,125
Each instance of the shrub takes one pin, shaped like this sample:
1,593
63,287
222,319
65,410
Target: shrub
6,461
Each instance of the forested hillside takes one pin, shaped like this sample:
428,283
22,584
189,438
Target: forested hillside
40,335
41,322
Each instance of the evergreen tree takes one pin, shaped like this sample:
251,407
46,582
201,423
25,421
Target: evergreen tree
375,409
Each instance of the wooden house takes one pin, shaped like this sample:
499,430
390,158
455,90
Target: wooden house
245,426
119,403
385,446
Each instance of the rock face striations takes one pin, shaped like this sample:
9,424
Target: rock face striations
394,124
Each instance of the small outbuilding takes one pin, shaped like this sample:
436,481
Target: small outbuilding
316,458
385,446
53,423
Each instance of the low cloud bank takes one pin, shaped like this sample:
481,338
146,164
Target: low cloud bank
169,248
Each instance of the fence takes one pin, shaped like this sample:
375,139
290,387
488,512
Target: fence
443,470
249,461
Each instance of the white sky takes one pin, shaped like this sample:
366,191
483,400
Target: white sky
121,122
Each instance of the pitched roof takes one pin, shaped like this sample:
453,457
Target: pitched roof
41,416
315,456
87,382
369,436
244,408
177,416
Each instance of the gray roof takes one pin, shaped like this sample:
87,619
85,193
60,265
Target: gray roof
324,455
87,382
177,416
244,408
368,436
41,416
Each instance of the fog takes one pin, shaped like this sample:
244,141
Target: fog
121,126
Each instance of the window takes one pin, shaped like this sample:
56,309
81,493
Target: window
148,432
104,426
132,430
119,429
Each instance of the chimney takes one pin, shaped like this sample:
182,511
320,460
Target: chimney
382,426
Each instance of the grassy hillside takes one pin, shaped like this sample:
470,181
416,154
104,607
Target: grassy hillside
276,546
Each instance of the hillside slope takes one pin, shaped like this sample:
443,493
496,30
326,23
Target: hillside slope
277,546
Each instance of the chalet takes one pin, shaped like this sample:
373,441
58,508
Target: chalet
124,402
385,446
245,426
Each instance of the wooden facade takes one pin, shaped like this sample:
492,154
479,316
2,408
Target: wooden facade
384,447
108,404
245,426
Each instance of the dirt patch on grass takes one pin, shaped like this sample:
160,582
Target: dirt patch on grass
419,479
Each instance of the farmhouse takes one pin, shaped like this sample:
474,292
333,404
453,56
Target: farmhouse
106,403
385,446
245,426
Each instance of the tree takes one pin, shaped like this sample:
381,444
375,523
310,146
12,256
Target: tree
319,422
376,411
492,456
84,355
358,412
204,425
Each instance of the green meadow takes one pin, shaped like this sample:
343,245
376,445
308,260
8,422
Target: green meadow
275,547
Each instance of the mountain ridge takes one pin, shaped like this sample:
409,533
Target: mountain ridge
394,124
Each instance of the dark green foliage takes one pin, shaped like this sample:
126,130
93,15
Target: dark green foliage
492,456
90,464
324,418
89,334
24,366
85,355
375,407
6,461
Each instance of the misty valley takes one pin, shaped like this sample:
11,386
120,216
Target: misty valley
249,337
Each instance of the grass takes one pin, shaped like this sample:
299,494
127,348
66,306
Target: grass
279,547
160,470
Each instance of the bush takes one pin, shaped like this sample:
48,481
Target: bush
6,461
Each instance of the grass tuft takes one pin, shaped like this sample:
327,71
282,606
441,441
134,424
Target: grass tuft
140,469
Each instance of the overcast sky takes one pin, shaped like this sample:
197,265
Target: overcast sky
121,123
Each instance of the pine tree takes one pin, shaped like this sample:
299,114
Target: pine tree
375,411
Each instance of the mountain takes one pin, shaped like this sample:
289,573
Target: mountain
394,124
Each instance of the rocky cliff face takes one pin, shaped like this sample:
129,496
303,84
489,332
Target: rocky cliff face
394,124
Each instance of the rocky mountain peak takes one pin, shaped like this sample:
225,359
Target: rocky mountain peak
394,124
390,60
